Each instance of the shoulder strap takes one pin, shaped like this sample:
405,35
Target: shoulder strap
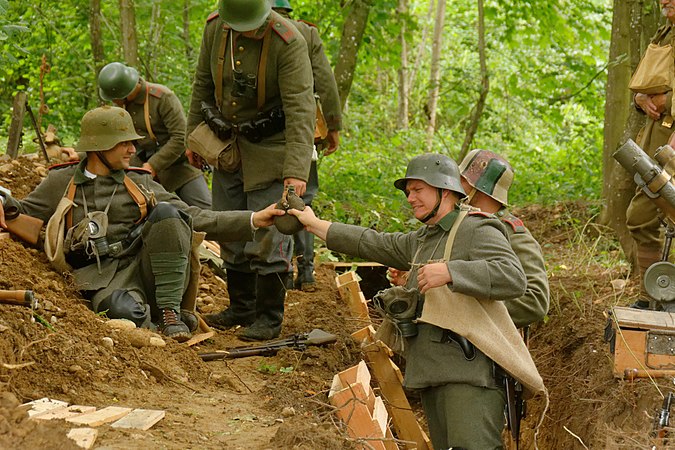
138,197
70,195
662,33
221,64
463,211
262,68
146,113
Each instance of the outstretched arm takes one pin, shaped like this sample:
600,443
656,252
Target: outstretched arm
312,223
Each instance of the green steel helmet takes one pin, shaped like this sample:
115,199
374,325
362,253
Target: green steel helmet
244,15
436,170
117,81
105,127
282,4
489,173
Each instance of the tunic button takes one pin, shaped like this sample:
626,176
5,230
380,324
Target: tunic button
241,49
234,103
238,63
234,116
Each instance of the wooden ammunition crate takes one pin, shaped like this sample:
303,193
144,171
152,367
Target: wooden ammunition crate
644,343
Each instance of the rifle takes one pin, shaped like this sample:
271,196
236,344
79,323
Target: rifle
19,298
515,404
662,421
298,341
26,228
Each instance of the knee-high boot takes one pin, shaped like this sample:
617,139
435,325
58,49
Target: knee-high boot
271,294
241,287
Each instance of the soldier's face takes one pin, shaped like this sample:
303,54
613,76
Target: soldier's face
422,197
120,155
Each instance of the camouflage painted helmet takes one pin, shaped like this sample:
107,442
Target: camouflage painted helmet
434,169
244,15
117,81
105,127
282,4
489,173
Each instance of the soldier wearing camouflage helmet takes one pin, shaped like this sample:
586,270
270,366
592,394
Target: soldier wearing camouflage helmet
255,76
128,242
463,402
159,116
325,87
486,178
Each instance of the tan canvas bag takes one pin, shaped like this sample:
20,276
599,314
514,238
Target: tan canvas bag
654,73
223,155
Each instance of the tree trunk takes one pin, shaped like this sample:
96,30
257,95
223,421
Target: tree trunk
631,29
186,32
128,28
154,38
434,79
352,35
477,111
422,44
95,35
403,88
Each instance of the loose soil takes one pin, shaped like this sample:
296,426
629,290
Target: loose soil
281,401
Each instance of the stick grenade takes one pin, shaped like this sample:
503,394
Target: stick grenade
37,132
19,298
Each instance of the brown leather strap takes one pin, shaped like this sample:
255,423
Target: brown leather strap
132,188
221,63
262,66
146,113
138,197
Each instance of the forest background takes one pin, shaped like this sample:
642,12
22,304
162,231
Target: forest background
529,79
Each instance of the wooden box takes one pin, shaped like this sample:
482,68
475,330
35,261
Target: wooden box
644,343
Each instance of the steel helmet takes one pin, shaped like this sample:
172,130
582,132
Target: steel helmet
244,15
436,170
489,173
117,81
282,4
105,127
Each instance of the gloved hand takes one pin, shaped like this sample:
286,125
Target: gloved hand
215,120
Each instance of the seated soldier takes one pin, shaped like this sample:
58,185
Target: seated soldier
125,238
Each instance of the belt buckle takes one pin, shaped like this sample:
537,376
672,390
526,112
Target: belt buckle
115,249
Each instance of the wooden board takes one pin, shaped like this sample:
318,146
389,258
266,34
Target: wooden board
83,437
42,405
140,419
64,413
96,418
353,264
644,319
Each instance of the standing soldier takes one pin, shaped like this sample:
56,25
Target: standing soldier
159,116
326,89
642,215
254,68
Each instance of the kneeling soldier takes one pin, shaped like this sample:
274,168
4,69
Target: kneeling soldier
125,238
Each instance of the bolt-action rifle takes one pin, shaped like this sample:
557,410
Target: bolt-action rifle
662,422
299,342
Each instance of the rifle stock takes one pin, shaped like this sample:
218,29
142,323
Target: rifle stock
299,341
27,228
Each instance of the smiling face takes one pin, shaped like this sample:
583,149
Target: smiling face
423,198
119,157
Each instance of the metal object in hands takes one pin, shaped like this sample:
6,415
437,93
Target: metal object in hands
288,224
298,341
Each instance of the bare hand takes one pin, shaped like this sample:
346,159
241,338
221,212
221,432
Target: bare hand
312,223
300,186
265,218
652,105
69,154
333,140
433,275
397,277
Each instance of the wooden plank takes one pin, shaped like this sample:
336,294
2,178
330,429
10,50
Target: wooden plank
42,405
340,264
96,418
83,437
644,319
389,379
201,337
365,335
352,295
357,374
345,278
16,126
65,413
140,419
630,352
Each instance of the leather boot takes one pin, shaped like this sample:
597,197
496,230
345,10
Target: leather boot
304,248
171,326
241,286
269,307
646,256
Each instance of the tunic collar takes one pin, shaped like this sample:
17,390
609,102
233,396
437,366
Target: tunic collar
80,178
448,220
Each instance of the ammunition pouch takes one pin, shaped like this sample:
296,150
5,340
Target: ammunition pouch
265,124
